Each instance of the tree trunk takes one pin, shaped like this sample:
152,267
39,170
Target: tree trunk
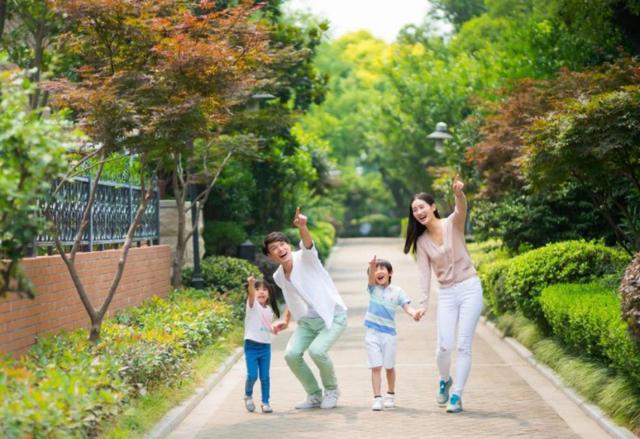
3,15
94,332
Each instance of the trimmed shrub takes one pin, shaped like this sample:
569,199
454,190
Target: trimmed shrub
587,318
492,276
223,237
223,274
568,261
630,292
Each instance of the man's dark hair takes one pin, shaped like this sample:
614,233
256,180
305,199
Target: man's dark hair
273,237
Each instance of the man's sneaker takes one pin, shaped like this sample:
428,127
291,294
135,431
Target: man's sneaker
389,401
312,401
248,403
330,399
377,404
443,393
455,404
266,408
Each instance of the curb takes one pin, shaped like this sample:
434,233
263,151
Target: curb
591,410
176,415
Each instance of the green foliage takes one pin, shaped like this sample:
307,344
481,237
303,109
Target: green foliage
68,387
615,393
223,274
524,221
32,157
630,297
594,143
222,237
492,276
587,318
570,261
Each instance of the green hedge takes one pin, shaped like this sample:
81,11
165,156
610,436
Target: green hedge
224,277
222,274
586,317
492,276
67,387
568,261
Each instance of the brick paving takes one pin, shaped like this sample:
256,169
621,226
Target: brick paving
499,399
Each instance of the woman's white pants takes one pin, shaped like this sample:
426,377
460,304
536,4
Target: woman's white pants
459,304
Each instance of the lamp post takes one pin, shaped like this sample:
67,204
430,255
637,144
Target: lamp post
440,135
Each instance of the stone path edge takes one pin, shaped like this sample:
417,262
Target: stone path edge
176,415
591,410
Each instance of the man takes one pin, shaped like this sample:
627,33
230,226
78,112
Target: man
314,302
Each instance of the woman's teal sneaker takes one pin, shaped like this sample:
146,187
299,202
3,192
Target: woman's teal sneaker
455,404
443,393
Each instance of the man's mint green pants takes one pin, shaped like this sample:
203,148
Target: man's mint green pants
312,334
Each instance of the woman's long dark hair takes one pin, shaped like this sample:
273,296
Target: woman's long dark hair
414,228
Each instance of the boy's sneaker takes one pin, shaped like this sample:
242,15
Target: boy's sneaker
312,401
330,399
266,408
248,403
389,401
455,404
443,392
377,404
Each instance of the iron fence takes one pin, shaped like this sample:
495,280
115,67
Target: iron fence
111,215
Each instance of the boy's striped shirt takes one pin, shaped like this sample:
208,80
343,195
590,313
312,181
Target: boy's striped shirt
381,314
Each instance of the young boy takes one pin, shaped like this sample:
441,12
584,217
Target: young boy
314,302
380,337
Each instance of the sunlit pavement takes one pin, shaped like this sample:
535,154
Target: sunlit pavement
504,397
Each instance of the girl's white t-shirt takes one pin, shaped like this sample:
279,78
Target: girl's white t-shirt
257,322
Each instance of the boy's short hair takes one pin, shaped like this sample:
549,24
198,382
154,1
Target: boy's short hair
384,263
273,237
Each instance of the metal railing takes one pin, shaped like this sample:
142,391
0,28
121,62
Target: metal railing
111,214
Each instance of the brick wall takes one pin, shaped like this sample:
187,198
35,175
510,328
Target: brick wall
57,304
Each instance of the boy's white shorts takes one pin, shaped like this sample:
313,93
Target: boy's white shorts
381,349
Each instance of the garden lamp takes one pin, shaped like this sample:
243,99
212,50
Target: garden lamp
440,135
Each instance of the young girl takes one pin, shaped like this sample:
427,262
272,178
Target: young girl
440,246
261,306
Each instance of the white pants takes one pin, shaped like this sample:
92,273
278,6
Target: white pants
461,304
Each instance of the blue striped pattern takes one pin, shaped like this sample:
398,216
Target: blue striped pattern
381,313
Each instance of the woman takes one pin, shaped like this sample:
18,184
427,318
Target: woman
440,246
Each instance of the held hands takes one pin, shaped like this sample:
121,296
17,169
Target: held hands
279,326
457,185
418,314
299,220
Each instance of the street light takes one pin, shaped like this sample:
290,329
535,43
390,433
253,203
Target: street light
258,97
440,135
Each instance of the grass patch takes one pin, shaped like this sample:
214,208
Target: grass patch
144,412
613,393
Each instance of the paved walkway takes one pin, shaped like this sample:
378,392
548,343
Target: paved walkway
504,396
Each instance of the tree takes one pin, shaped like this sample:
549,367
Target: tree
30,30
595,143
155,76
32,155
498,156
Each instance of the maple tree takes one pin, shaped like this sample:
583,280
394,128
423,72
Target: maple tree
153,77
